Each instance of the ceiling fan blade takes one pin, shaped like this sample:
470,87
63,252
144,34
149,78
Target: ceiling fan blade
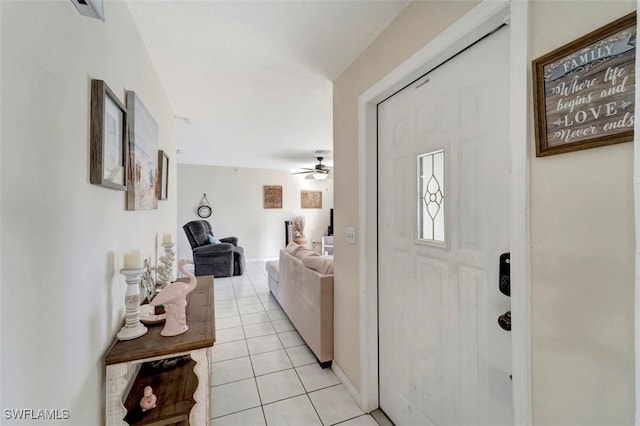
319,172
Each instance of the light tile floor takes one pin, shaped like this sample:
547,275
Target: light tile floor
263,373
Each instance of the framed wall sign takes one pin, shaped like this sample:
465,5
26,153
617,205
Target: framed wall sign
108,151
272,197
311,199
584,91
142,178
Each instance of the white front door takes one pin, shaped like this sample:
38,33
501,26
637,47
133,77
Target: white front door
443,221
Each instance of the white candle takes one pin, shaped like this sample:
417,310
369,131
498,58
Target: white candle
167,238
133,259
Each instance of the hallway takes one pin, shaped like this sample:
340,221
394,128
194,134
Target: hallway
262,372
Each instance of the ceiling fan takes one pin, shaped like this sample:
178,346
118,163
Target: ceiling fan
319,172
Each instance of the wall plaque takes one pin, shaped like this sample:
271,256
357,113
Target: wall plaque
311,199
272,196
584,91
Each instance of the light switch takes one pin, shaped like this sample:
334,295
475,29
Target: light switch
351,235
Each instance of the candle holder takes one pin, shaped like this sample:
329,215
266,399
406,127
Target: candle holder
165,270
132,328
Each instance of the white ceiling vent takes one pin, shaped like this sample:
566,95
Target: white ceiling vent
90,8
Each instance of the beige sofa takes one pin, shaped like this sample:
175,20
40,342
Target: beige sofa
306,296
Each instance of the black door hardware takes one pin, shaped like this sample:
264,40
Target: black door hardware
505,274
504,321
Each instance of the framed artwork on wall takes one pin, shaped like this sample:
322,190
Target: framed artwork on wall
584,91
272,197
108,138
311,199
163,175
142,178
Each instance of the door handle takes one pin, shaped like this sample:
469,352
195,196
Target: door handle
505,274
504,321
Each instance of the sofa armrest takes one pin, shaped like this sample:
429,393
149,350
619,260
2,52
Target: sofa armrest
306,296
230,240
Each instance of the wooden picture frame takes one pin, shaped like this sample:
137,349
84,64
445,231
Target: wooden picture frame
163,175
311,199
108,138
272,197
584,91
142,178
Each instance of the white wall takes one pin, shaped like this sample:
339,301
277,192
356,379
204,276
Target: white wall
1,316
236,198
63,238
582,254
419,23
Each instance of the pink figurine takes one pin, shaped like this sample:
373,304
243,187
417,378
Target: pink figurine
149,400
174,299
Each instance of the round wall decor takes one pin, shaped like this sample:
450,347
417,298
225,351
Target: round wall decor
204,210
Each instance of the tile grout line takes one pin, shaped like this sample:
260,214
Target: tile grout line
251,360
264,415
249,355
295,370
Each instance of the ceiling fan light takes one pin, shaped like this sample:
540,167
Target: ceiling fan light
320,176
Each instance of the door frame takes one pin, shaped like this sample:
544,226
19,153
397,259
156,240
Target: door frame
636,201
480,21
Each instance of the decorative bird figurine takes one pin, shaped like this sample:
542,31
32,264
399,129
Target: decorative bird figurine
173,297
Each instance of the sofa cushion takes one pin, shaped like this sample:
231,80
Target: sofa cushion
303,252
322,264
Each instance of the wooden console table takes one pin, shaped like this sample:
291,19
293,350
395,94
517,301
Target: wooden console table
183,390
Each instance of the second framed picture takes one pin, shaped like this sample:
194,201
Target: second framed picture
311,199
142,182
163,175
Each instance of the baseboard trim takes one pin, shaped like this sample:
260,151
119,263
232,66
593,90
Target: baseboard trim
262,259
353,391
381,418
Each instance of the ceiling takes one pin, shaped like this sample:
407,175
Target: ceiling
250,83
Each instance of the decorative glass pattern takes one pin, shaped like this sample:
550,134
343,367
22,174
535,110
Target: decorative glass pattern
431,206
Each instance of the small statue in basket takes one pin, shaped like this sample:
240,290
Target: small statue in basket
149,400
